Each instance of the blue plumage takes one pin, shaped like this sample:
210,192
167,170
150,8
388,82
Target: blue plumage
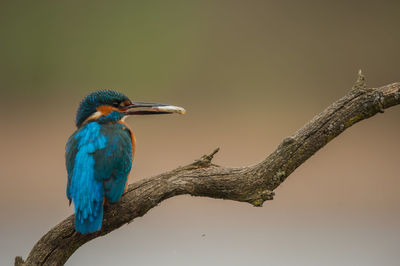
86,192
98,160
92,101
99,153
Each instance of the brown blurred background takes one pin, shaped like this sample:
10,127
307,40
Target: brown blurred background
249,74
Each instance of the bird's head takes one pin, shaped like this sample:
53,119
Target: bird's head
109,106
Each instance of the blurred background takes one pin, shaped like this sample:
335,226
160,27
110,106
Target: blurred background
249,74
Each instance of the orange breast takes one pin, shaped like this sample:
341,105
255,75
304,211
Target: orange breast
133,140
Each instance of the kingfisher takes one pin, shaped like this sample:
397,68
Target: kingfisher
100,152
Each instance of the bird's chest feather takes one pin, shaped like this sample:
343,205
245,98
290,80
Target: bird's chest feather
110,145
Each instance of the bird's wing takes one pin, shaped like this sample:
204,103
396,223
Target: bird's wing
83,189
113,163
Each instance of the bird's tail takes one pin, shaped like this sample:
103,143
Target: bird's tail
87,194
86,223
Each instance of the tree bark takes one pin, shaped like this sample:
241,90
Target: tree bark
253,184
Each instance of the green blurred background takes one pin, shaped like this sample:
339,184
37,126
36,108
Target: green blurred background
249,74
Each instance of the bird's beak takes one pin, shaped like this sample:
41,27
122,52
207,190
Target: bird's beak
141,108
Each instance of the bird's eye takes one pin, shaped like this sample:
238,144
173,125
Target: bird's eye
115,103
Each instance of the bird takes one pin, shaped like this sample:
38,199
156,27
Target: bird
100,152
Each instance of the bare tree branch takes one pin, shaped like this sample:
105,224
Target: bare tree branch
253,184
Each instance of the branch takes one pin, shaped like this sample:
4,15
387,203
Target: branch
253,184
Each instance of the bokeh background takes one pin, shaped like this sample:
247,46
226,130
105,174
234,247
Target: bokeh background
249,74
